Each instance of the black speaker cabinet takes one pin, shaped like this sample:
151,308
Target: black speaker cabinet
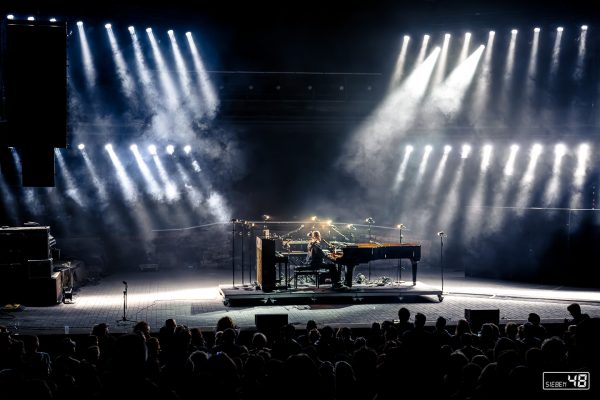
269,324
39,269
476,318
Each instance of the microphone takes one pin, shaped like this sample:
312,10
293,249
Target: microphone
441,233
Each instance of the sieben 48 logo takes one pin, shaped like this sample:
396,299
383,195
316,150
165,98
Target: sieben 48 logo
566,381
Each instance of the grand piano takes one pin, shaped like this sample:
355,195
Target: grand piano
352,254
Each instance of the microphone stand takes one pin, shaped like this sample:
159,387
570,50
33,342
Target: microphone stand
125,302
441,235
243,225
233,221
124,318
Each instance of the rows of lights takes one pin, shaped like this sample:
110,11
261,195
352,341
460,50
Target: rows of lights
152,149
447,35
466,148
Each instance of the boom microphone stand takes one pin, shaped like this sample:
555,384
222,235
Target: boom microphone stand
124,318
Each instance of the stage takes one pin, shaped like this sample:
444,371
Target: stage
233,295
193,298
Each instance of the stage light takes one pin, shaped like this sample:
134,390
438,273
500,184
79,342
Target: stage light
560,150
514,31
447,36
426,37
131,29
486,156
152,149
79,23
133,147
428,148
536,30
108,146
559,29
468,35
584,27
409,149
108,26
188,34
313,218
187,149
406,38
170,32
447,149
583,153
492,33
10,16
52,20
170,149
536,150
465,150
514,147
148,30
329,222
81,146
33,19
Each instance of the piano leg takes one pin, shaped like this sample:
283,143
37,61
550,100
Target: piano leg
349,273
414,271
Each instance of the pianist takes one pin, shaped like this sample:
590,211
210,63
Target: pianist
316,259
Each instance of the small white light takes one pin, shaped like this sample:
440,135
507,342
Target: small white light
148,30
559,29
170,149
447,149
10,16
52,19
560,150
428,148
492,33
187,149
447,36
133,147
108,146
152,149
188,34
514,147
30,18
81,146
426,37
131,29
79,24
466,149
170,31
514,31
406,38
108,26
536,30
409,148
584,27
468,35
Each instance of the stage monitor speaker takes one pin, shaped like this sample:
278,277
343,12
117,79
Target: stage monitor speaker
37,165
269,324
476,318
35,83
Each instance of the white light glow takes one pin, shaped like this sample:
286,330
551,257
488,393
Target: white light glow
486,157
79,23
152,149
447,149
108,26
30,18
148,30
584,27
559,29
536,30
465,151
170,149
10,16
81,146
131,29
509,167
187,149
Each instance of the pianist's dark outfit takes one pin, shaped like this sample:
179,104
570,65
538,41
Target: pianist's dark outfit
316,259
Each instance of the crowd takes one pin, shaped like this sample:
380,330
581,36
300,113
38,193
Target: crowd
393,359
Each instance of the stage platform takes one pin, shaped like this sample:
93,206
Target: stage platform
193,297
234,295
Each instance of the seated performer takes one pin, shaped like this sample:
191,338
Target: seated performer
316,259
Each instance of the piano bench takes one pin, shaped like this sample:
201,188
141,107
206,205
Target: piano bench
309,272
